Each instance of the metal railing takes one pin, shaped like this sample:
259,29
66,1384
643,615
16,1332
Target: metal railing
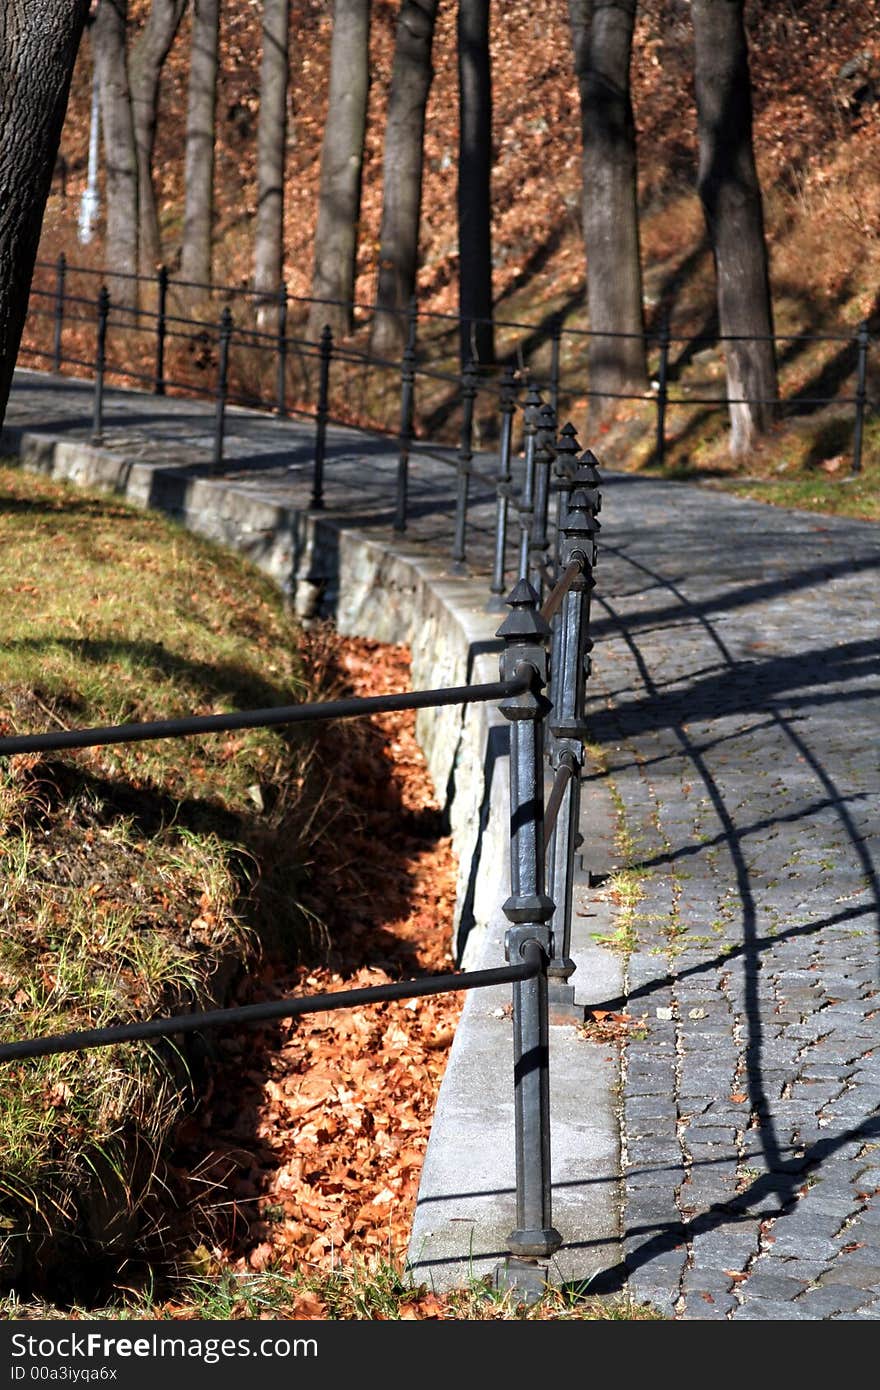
544,664
215,340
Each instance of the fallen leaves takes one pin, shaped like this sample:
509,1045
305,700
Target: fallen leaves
325,1120
608,1025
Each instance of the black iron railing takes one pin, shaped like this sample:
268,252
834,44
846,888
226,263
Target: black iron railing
544,654
545,535
538,360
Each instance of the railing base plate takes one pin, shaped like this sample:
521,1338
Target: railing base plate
561,1006
528,1280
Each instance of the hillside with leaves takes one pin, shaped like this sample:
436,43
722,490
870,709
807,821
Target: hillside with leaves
815,69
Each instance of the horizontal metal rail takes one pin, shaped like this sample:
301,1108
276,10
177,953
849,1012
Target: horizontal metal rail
564,773
249,1014
262,718
553,601
371,307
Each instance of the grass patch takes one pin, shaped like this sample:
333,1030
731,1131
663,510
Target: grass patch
362,1291
803,463
136,879
625,886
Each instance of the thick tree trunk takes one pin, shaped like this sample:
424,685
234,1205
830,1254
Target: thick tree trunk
731,198
342,158
38,45
474,182
145,68
120,154
198,211
271,152
411,78
602,40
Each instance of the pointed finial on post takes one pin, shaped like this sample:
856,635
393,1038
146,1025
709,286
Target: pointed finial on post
567,449
587,477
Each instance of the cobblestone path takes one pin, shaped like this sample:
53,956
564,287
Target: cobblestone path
739,661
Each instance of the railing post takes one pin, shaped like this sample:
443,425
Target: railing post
161,329
564,468
407,407
465,456
504,486
587,476
528,909
225,337
555,355
862,341
545,452
281,377
60,282
100,364
527,497
321,413
567,449
567,724
662,387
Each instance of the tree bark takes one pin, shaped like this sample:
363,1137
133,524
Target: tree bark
271,152
145,68
120,154
474,182
411,77
198,211
602,33
731,197
38,45
342,158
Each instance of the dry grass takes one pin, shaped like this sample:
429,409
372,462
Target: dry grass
135,878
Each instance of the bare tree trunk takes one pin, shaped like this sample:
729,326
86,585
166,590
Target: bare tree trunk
731,198
342,158
271,152
474,181
145,68
38,45
195,261
411,78
602,40
120,154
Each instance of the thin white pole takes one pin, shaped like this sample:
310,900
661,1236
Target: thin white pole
90,202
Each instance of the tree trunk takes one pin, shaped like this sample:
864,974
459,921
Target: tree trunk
342,158
120,154
198,211
411,78
602,40
731,198
271,152
474,182
145,67
38,45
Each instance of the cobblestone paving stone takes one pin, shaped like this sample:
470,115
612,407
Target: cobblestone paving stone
738,662
737,700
